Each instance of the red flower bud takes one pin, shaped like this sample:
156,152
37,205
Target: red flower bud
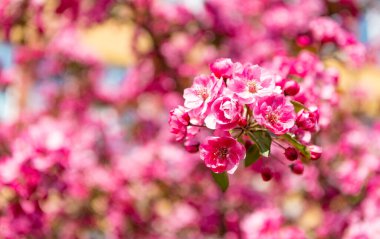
192,148
291,88
291,153
266,174
222,67
297,168
303,40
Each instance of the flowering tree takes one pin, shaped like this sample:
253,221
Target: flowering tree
83,157
244,103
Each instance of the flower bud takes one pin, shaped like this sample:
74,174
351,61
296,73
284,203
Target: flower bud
178,121
308,119
297,168
222,67
192,148
291,88
315,152
303,40
291,153
266,174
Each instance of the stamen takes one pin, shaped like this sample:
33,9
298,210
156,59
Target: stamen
202,92
252,87
222,153
272,117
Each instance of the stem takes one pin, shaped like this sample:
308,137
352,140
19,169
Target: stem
278,144
254,125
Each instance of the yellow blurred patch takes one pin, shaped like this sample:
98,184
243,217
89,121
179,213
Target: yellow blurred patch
364,79
112,42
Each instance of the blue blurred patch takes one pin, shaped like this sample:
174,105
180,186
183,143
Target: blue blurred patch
363,29
6,55
114,76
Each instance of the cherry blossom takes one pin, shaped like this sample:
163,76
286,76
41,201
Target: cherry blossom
222,154
275,113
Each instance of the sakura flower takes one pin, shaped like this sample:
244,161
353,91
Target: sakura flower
308,120
324,29
268,223
225,113
202,93
179,120
262,223
275,113
222,154
251,83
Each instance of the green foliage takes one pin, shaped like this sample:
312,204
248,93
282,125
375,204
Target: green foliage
263,141
253,154
222,180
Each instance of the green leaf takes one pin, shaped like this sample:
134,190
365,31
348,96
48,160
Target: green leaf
221,179
298,106
253,155
263,141
296,144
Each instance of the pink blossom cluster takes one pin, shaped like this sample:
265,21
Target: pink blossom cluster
239,103
317,89
355,157
324,30
268,223
269,26
83,157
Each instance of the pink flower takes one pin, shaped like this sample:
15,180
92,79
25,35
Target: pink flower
275,113
202,93
225,113
222,154
222,67
308,120
262,223
356,53
324,29
179,120
251,83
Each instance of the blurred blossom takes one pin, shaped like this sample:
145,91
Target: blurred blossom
87,148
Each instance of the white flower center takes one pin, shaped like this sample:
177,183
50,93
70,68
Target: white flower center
252,87
272,117
202,92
